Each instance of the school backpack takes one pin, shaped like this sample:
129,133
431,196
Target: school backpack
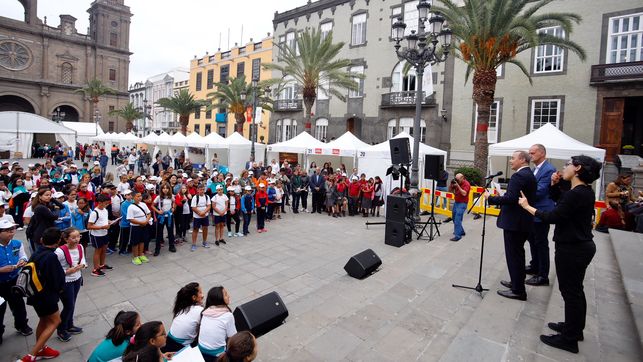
28,283
67,254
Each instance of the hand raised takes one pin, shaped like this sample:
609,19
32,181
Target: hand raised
522,200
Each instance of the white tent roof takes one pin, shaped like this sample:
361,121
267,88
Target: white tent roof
236,139
196,140
22,122
129,138
214,140
163,139
84,128
150,139
558,144
346,145
302,143
177,139
383,150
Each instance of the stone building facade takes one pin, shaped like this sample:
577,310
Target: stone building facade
385,103
42,66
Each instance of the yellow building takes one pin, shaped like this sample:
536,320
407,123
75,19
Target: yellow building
210,69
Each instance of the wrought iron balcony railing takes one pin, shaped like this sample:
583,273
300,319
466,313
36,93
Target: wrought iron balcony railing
617,72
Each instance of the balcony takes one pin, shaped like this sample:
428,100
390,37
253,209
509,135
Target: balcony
616,73
404,99
288,105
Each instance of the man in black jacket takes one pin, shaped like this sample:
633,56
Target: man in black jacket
317,186
45,303
516,222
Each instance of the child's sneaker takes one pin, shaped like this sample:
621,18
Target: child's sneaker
64,336
137,261
229,234
206,245
75,330
27,358
47,353
193,248
144,259
239,235
106,267
97,273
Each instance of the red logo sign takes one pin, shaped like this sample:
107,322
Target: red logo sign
335,151
318,151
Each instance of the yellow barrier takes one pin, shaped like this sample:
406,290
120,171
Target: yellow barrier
443,202
478,208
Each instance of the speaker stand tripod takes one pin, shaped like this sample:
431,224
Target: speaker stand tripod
430,221
478,288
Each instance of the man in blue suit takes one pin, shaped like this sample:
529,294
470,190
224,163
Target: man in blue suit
516,223
538,242
317,186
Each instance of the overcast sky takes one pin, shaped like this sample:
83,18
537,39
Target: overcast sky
168,33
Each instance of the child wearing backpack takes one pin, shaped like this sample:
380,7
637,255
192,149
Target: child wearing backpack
71,256
98,224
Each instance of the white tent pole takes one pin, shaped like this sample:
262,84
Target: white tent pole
17,131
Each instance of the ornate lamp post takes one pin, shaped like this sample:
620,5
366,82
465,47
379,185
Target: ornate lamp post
423,49
253,125
146,114
58,116
97,119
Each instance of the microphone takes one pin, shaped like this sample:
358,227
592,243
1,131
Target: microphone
499,173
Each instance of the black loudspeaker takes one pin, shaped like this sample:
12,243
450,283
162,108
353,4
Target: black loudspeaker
397,233
261,315
397,207
363,264
400,151
433,164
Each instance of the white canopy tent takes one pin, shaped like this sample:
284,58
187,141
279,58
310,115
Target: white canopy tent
375,160
302,144
345,147
215,141
239,151
84,131
559,147
18,129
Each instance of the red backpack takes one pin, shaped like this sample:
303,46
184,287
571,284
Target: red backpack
65,250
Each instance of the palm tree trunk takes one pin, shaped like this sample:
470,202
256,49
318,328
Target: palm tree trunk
484,87
128,126
184,120
308,106
238,124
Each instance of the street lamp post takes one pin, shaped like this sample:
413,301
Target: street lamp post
58,116
422,50
253,125
146,114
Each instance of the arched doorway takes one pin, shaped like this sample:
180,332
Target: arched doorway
15,103
354,126
66,112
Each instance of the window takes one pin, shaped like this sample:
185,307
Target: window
625,39
222,129
290,129
66,71
325,29
494,123
210,80
406,125
360,82
241,69
282,42
544,111
358,27
278,131
224,74
197,114
411,16
392,128
208,129
256,68
291,41
113,39
548,57
110,126
222,109
321,128
396,12
208,114
112,74
197,128
198,81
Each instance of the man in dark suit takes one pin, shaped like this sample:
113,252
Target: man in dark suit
538,242
317,185
516,223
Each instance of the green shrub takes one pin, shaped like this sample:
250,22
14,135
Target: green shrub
472,174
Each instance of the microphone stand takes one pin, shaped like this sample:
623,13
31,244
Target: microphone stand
478,288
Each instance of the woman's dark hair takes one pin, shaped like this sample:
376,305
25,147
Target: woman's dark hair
620,179
142,337
185,298
148,353
36,200
215,297
240,346
590,168
124,324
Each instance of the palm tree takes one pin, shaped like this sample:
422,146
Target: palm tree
182,104
94,90
311,61
493,32
229,96
129,113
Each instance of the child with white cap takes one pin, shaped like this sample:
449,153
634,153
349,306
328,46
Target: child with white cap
219,209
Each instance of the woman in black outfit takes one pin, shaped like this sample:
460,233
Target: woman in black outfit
575,247
45,213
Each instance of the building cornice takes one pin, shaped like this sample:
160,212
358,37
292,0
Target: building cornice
306,10
44,83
